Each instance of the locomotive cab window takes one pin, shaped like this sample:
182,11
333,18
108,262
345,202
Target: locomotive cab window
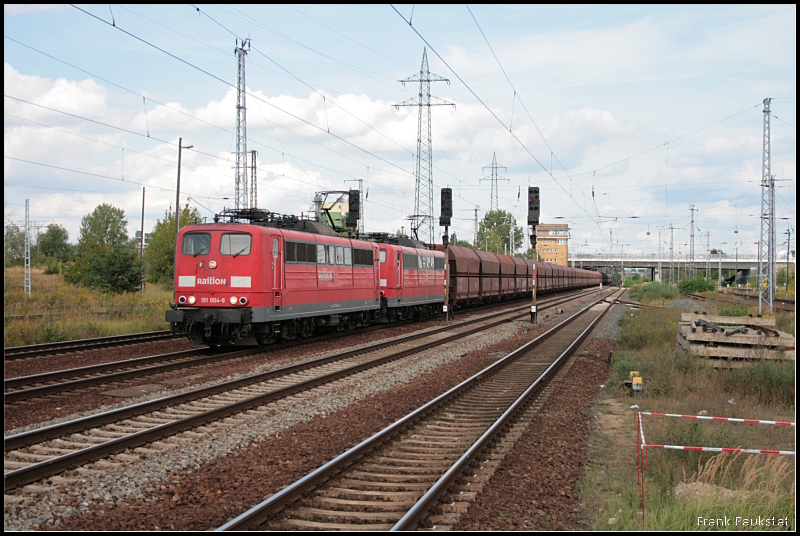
235,244
383,256
196,244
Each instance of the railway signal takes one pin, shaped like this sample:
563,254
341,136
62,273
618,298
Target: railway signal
353,207
447,207
534,206
446,213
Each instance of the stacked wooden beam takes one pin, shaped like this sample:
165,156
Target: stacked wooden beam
734,341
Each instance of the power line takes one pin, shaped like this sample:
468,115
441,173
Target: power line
490,111
309,86
99,141
215,77
666,142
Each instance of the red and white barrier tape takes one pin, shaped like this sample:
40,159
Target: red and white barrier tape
723,449
707,418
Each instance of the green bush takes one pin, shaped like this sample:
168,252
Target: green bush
651,292
52,266
117,270
734,309
698,284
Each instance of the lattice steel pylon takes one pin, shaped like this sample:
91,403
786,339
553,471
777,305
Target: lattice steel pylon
241,128
423,196
691,244
253,180
493,178
766,244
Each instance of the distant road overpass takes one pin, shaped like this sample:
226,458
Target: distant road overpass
743,264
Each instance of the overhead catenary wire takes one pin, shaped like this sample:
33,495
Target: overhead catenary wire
249,94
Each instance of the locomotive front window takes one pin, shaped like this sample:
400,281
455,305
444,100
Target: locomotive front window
235,244
196,244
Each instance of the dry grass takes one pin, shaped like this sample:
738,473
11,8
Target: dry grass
73,312
762,485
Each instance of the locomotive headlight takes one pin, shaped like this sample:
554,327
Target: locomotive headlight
243,300
212,264
192,299
233,300
182,300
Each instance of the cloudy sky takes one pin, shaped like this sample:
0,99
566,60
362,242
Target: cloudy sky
624,116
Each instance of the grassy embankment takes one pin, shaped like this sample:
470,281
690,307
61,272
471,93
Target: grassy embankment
70,311
761,485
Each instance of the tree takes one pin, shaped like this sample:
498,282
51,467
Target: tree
13,245
529,252
159,253
118,270
105,257
53,243
454,241
495,230
780,279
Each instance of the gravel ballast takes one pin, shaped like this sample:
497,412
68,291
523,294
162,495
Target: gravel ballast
216,472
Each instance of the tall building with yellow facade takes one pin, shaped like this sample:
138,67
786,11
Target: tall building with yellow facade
552,242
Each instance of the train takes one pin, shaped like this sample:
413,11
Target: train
271,278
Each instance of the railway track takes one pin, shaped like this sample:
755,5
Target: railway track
394,478
64,381
32,455
37,350
57,383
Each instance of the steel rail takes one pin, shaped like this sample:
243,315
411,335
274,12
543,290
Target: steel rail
261,512
34,350
410,520
33,472
176,362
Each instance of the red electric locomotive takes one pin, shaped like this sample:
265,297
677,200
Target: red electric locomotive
411,281
244,283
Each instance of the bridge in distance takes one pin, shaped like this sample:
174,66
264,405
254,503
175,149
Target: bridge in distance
743,264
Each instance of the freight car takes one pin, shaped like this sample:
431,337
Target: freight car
282,278
482,277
